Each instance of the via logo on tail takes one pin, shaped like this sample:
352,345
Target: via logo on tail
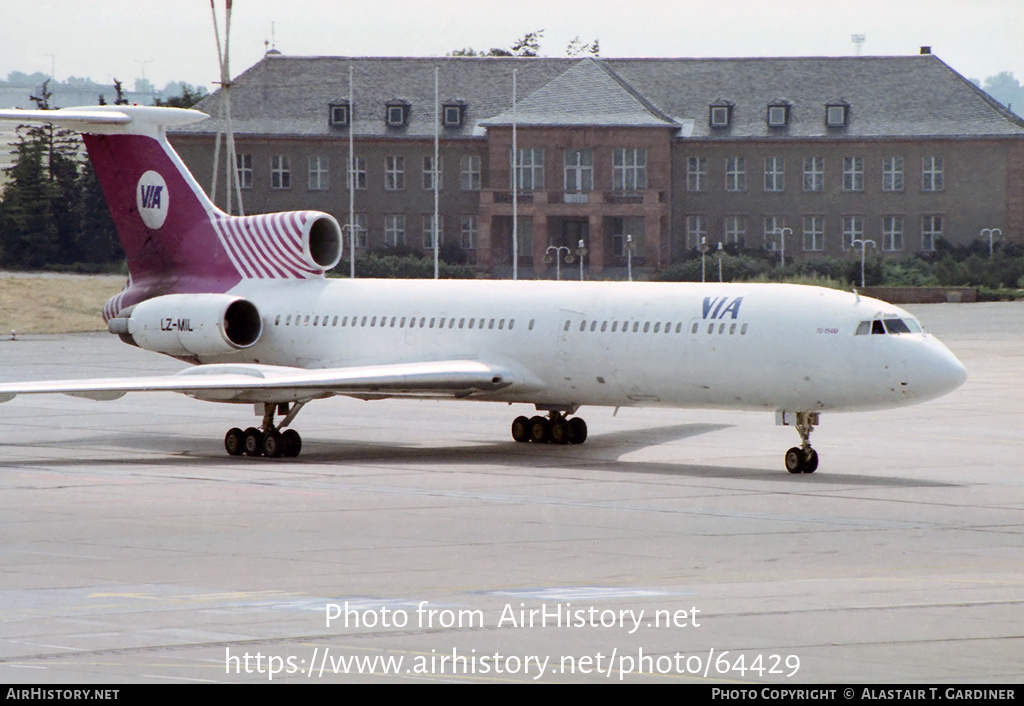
151,198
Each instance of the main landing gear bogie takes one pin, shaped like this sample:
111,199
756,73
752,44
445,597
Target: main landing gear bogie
270,441
553,429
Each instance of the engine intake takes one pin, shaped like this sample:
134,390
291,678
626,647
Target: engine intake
321,242
192,324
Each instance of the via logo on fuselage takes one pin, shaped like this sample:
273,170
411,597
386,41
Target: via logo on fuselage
722,307
152,199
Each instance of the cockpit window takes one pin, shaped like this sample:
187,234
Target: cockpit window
896,326
891,324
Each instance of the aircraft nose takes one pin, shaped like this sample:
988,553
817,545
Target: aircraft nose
936,371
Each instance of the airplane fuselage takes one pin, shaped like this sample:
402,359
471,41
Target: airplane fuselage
750,346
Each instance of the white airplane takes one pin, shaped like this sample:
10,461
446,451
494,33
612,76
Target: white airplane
245,299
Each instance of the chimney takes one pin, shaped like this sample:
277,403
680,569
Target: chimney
926,50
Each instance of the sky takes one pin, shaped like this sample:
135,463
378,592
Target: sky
174,41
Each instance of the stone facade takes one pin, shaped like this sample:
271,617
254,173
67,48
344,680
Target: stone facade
901,151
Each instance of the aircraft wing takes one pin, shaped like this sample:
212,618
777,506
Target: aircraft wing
270,383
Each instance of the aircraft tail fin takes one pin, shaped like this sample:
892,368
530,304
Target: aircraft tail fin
175,239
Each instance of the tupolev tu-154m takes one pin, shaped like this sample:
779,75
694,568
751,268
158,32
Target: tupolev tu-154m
245,299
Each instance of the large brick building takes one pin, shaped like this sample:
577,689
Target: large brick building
819,151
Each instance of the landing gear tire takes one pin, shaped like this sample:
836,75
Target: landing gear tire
560,431
540,430
291,443
234,442
253,442
577,430
273,445
521,429
800,461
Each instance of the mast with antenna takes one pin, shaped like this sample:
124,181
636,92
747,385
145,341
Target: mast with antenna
230,166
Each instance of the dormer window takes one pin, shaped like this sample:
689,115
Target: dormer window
453,114
340,114
778,114
837,114
720,114
397,114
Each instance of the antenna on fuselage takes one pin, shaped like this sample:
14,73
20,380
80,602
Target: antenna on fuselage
225,127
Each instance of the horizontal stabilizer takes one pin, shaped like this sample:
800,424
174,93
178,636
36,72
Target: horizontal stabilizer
109,119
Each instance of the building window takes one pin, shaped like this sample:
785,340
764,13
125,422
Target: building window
836,114
430,233
720,114
318,173
629,169
853,229
341,114
579,170
892,233
243,163
853,174
696,231
470,172
736,230
359,172
452,114
696,173
892,174
397,114
623,228
774,174
736,174
931,231
394,229
530,169
814,233
931,174
429,173
524,237
394,173
280,172
778,115
814,174
468,232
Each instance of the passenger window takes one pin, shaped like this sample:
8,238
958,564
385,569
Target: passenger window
615,326
511,324
501,324
593,326
732,329
604,326
743,330
532,321
694,329
657,327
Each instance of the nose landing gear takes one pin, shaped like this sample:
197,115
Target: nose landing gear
801,459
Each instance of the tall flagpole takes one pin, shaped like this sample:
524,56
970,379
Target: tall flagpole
437,173
515,186
351,181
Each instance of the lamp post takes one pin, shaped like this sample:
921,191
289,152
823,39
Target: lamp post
629,256
863,249
991,232
703,252
581,250
781,232
719,254
558,258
